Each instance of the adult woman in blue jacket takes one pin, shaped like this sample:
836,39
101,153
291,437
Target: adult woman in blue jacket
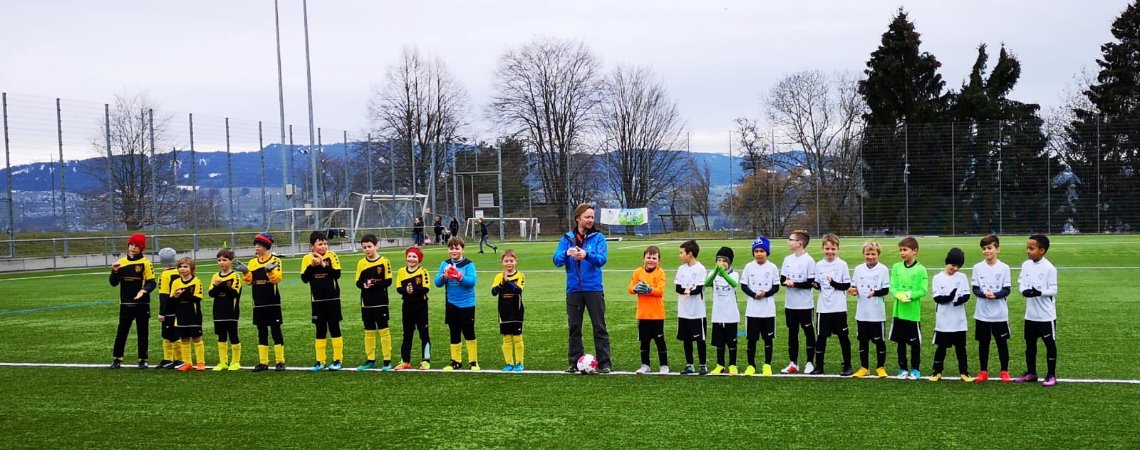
582,251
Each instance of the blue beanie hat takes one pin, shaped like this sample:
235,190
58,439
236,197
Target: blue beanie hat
762,242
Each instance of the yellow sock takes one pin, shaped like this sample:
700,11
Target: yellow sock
200,348
473,351
166,351
457,352
386,343
279,352
263,354
370,344
508,349
236,349
223,353
185,346
322,345
338,348
176,350
518,341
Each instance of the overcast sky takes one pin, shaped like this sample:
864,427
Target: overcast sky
716,57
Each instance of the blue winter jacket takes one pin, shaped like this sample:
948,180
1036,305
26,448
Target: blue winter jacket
585,275
459,293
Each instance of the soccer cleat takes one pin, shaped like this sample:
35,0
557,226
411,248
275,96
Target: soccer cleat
335,366
750,370
573,369
448,368
732,370
387,367
1026,378
117,363
403,366
717,370
280,367
1005,376
792,368
810,368
881,372
914,374
688,370
704,370
234,365
1050,381
664,370
185,367
175,364
475,367
644,369
846,372
162,364
816,370
862,372
935,377
424,365
518,367
983,376
220,367
370,364
142,364
509,368
902,374
317,367
260,368
201,367
966,378
766,370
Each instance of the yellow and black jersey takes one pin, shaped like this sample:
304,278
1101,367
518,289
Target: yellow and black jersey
188,308
165,304
509,288
413,285
263,276
226,292
323,278
379,272
132,275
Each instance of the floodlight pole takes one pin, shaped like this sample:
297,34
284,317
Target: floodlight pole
285,167
312,150
8,173
499,154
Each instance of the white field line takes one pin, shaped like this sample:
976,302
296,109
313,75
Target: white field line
127,367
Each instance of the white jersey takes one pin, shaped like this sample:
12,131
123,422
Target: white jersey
949,318
868,280
760,278
994,278
725,309
1040,275
831,300
691,306
798,269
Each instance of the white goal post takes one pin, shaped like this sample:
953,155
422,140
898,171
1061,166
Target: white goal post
291,219
528,227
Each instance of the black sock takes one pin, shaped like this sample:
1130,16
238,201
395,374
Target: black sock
662,352
984,355
1003,353
915,354
881,353
960,349
1051,357
939,356
645,351
751,350
720,355
688,352
794,345
864,350
768,351
702,351
820,351
1030,355
732,354
845,349
901,351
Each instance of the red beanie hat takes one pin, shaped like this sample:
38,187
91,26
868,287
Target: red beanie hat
419,253
139,240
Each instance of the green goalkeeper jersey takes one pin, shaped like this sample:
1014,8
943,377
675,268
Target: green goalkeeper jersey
912,280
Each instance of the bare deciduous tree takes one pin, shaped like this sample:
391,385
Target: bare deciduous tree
771,191
639,124
545,95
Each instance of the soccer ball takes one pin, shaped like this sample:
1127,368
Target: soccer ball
587,364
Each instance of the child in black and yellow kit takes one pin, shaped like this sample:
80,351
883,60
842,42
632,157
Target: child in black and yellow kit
186,291
412,285
263,276
171,349
508,286
225,289
320,269
134,276
373,276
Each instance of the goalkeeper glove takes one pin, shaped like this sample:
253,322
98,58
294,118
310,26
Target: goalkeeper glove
240,267
1031,292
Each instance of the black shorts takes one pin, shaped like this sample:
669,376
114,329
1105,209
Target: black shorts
134,311
189,332
984,330
224,311
691,329
377,315
948,338
188,315
761,328
454,315
905,331
724,334
267,315
1043,330
511,313
327,311
832,323
869,331
414,312
650,329
795,318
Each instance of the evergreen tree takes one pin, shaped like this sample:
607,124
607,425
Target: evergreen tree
1109,133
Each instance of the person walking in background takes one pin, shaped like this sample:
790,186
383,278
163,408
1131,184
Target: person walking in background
418,232
483,237
437,228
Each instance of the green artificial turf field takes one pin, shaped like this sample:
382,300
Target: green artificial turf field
70,317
